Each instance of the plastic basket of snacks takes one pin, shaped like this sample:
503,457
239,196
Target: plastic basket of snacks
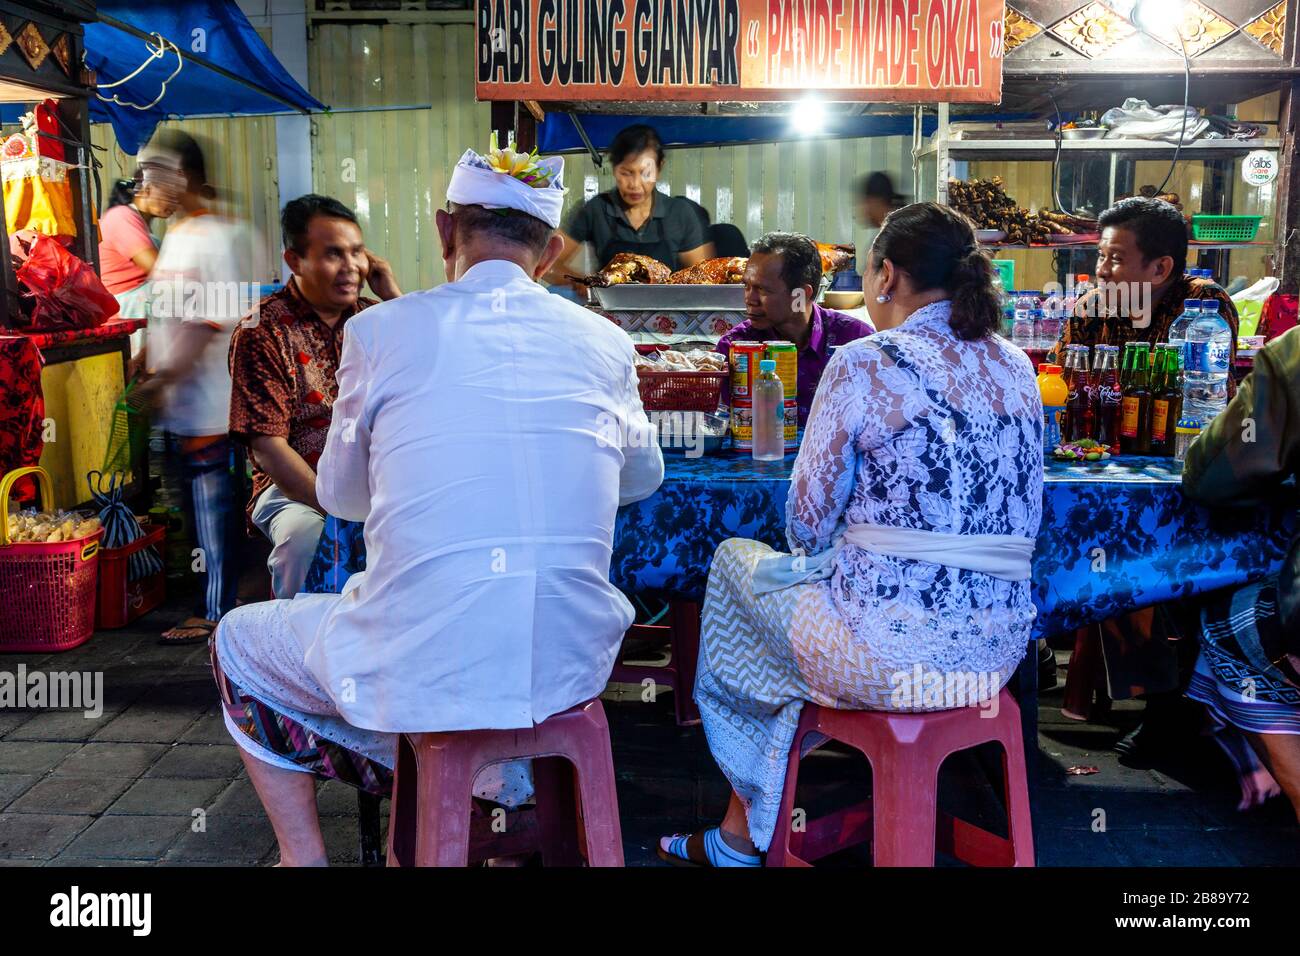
672,381
49,563
1206,228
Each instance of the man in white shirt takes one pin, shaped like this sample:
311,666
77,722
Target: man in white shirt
198,292
486,432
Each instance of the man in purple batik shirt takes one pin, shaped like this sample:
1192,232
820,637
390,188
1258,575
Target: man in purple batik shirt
781,284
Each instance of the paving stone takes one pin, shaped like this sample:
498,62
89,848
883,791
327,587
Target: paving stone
239,799
197,760
1258,847
111,759
57,793
14,784
128,838
208,729
68,725
140,723
63,859
235,839
38,836
11,720
23,757
164,797
334,799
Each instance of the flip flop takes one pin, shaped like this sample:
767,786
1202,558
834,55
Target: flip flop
703,848
206,627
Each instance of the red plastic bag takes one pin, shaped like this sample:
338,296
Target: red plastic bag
66,292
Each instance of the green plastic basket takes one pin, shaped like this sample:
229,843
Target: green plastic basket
1207,228
128,434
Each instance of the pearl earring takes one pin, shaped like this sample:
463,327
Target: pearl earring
883,298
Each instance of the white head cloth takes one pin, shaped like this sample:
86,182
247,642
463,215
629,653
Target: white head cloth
475,182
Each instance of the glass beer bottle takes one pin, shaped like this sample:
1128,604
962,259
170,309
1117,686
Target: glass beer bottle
1135,422
1166,401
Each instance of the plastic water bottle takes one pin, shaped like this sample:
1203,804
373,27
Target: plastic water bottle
1022,332
1049,324
1178,331
769,414
1208,351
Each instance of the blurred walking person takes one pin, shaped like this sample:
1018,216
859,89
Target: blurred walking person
195,304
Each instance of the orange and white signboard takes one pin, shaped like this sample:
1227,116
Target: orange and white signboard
709,50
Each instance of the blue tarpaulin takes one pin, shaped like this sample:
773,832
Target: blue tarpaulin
214,30
559,135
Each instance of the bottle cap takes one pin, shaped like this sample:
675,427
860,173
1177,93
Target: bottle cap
767,365
1210,305
1189,304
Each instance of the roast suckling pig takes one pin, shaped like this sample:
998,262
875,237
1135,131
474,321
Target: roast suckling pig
835,257
724,271
629,267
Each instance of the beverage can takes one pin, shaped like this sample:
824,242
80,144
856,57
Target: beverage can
744,358
786,356
742,425
791,424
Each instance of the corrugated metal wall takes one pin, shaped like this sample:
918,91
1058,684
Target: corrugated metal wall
392,165
240,154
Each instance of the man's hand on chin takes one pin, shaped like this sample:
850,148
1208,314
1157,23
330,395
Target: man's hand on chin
381,279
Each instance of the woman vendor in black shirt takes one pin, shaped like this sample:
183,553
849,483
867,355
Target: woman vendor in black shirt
634,216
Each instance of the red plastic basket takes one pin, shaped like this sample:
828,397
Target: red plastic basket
680,391
47,591
122,601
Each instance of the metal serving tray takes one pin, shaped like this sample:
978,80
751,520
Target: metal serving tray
646,297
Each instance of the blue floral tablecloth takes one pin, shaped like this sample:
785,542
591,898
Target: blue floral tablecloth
1115,537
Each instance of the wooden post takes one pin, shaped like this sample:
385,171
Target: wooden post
510,120
1286,259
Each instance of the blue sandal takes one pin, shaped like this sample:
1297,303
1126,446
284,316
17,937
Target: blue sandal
704,848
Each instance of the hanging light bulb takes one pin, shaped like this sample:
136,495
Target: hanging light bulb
808,118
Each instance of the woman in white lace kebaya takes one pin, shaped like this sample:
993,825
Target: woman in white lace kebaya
915,501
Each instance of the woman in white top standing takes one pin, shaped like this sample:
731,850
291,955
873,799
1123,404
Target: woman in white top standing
198,294
914,505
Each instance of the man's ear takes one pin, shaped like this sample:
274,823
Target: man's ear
550,255
446,232
1164,270
293,261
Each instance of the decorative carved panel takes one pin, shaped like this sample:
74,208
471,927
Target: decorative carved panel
1201,28
6,39
1093,29
62,50
32,45
1017,28
1269,28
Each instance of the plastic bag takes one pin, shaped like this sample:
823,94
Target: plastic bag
1250,304
67,293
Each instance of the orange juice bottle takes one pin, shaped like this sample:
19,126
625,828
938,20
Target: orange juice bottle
1055,393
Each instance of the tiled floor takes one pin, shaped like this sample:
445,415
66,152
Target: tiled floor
156,780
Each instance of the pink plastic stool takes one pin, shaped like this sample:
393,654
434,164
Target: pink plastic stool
432,820
905,752
679,673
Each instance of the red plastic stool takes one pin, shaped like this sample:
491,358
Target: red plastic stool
905,752
679,673
432,821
